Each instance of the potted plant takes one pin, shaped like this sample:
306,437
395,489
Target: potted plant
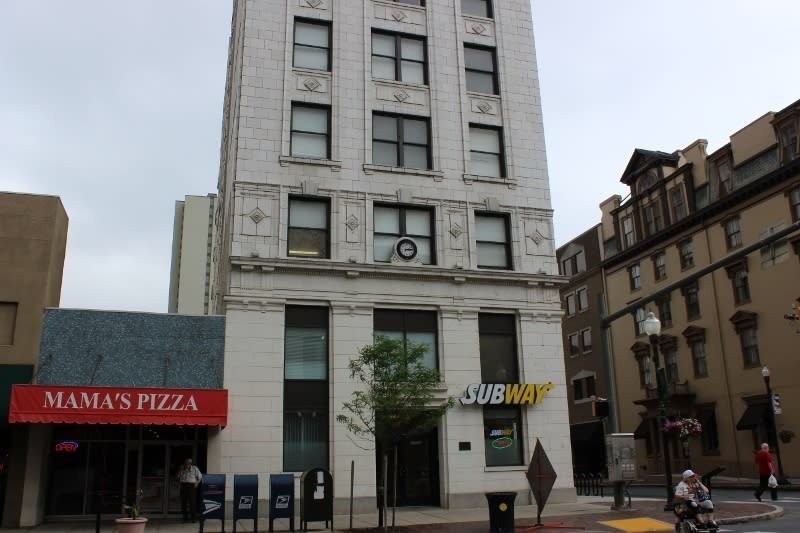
786,435
132,522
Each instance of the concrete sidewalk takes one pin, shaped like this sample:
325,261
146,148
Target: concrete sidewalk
590,514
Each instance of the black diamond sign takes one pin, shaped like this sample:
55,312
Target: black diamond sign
541,476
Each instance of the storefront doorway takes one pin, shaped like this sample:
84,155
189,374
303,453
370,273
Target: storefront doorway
417,471
97,467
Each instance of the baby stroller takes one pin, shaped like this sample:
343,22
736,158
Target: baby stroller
687,519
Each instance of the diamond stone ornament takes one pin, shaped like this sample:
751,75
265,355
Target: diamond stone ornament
455,230
484,107
401,95
311,84
399,16
257,215
351,222
313,3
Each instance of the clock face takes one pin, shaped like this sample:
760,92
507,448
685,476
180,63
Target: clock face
406,248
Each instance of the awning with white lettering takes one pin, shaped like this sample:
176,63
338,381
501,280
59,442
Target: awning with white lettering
118,405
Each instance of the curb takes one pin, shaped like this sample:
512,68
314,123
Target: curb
776,512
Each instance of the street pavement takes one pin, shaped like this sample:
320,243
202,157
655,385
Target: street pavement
588,513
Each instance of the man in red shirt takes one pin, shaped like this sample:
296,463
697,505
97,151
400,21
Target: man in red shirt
765,467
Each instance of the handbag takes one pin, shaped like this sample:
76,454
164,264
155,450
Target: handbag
772,482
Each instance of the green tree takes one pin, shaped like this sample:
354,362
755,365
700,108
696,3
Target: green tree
398,395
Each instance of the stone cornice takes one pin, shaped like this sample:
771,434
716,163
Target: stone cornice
389,271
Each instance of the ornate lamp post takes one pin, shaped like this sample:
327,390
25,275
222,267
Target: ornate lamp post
773,430
652,327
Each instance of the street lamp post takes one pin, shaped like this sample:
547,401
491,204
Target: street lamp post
773,430
652,327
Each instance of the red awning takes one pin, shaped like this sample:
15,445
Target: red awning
118,405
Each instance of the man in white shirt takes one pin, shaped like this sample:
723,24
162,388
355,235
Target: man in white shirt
189,477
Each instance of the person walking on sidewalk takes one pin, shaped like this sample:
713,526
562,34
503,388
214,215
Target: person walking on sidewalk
765,467
189,477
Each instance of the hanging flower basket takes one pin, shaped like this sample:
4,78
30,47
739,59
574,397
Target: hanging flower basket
686,427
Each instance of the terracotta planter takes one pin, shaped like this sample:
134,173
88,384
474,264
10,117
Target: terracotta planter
131,525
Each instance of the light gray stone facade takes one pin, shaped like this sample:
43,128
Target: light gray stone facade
257,278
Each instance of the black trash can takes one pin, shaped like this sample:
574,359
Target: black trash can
501,511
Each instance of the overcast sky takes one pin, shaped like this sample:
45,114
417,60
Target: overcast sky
116,108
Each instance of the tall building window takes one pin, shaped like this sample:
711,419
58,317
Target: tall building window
477,8
740,282
498,351
691,294
492,241
312,44
749,341
310,131
671,364
305,415
393,222
583,388
699,362
788,140
652,218
627,231
660,266
399,57
481,69
643,363
586,340
664,310
308,227
416,326
583,299
486,151
570,301
701,196
686,253
794,203
733,232
400,141
709,438
725,176
678,204
635,273
638,319
574,264
574,344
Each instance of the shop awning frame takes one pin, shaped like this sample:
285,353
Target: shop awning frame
752,417
67,404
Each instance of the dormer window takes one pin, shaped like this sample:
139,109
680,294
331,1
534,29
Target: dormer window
788,139
648,180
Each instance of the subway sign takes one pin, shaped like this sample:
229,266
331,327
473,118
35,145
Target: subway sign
505,393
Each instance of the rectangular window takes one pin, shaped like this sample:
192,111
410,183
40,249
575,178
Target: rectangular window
660,266
400,141
399,57
678,204
749,341
794,203
583,299
8,320
574,264
419,327
305,417
498,352
308,233
638,318
691,294
586,340
570,303
574,344
698,348
310,131
741,284
789,147
584,388
733,233
393,222
671,365
644,372
486,151
664,311
652,217
635,277
627,231
481,69
420,3
724,173
312,44
477,8
492,241
686,254
701,196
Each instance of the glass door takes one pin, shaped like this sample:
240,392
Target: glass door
154,479
177,454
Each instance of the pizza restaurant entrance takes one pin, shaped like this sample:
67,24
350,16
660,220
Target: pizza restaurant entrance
96,467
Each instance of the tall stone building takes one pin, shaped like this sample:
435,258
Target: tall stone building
383,171
33,240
